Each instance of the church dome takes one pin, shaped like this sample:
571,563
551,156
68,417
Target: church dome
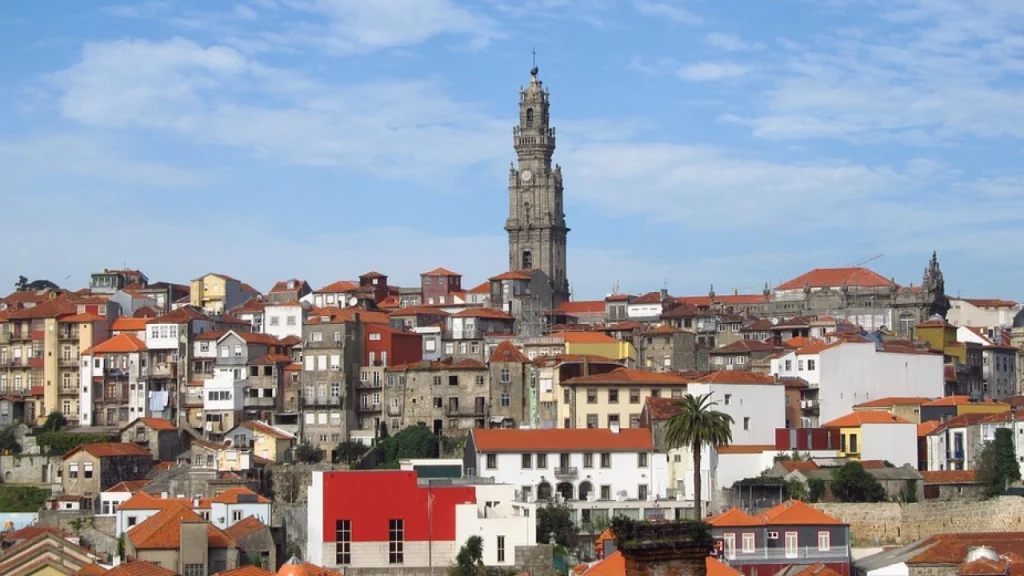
293,567
1018,320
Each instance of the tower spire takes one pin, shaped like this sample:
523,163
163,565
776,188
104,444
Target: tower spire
534,70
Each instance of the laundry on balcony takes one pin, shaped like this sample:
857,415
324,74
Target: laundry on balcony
157,401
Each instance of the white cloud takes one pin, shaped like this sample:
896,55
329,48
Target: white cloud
671,11
148,9
244,12
708,71
729,42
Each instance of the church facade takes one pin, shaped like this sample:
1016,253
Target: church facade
536,225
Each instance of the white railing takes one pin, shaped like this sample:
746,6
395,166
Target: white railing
801,553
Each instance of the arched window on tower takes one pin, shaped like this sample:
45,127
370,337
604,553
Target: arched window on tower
527,260
529,117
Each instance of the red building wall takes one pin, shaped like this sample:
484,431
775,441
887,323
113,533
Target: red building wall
401,347
439,286
806,439
370,499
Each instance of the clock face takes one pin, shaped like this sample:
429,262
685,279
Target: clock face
527,175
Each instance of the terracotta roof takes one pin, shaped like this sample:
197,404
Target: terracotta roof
745,448
231,496
155,423
586,338
984,566
925,428
339,286
248,570
555,439
53,308
665,329
507,352
139,568
741,346
894,401
182,315
294,367
988,302
123,343
163,530
337,315
962,420
615,565
130,486
273,359
126,324
715,567
441,272
648,298
110,449
629,376
798,342
84,317
511,275
817,570
247,288
282,286
951,549
28,532
793,465
490,313
91,570
795,512
733,517
617,297
582,307
961,401
661,408
855,419
949,476
250,306
835,277
793,382
239,530
736,377
213,335
257,338
481,288
817,347
372,274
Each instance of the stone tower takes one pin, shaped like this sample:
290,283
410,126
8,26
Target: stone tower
536,223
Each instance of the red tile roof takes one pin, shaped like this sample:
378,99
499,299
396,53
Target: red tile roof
855,419
648,298
273,359
231,496
110,449
951,549
282,286
481,288
990,302
746,449
619,297
742,346
817,570
835,277
661,408
182,315
582,307
894,401
793,465
736,377
248,570
339,286
130,486
817,347
139,568
91,570
123,343
157,423
490,313
615,565
251,306
162,531
511,275
211,335
507,352
925,428
666,329
555,439
84,317
794,513
629,376
240,530
962,401
441,272
126,324
960,421
53,308
733,517
949,476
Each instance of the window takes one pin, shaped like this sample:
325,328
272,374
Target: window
566,395
479,380
591,420
542,461
506,376
275,320
591,396
641,460
588,460
375,336
791,544
527,460
529,117
634,396
501,548
343,537
194,570
824,541
789,365
396,537
729,541
318,336
728,399
506,400
634,420
492,461
655,393
437,380
853,444
606,460
746,423
810,364
613,395
641,492
87,470
132,520
236,515
748,543
238,350
606,492
73,470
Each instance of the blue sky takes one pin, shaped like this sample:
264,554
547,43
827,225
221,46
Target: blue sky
733,143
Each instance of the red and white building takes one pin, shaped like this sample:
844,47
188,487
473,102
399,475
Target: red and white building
418,524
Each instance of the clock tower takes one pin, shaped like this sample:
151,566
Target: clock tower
536,223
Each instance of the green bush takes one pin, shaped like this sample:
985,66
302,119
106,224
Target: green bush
22,498
58,443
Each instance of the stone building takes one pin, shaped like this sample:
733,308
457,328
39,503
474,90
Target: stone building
465,337
162,439
332,357
510,376
740,355
291,290
536,222
443,395
92,468
667,348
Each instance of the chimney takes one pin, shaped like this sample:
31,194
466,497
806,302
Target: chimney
667,549
586,365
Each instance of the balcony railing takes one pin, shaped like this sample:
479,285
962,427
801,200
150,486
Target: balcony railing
68,361
760,554
21,335
322,401
164,370
566,472
394,410
67,334
116,373
368,408
259,402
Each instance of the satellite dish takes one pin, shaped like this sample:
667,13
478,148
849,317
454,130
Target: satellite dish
775,321
353,301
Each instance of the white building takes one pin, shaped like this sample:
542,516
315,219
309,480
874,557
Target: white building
981,312
236,504
225,392
285,319
956,443
848,373
894,442
599,472
499,521
431,341
336,294
756,403
142,506
112,498
999,359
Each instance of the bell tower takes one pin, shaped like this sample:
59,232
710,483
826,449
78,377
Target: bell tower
536,223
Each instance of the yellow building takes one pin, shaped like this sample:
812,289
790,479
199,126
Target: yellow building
269,442
551,371
218,293
616,397
963,405
908,408
941,337
598,344
851,434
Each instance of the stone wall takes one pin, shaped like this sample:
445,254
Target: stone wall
77,522
293,518
29,469
538,560
892,523
289,483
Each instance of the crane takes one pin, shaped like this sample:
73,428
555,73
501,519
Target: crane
871,259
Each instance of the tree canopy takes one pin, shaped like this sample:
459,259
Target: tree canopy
54,422
349,451
698,424
555,518
852,483
470,559
308,453
997,463
9,440
411,442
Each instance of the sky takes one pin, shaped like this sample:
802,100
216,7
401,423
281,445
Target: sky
702,142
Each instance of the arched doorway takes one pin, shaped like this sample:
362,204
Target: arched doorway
565,489
543,491
586,488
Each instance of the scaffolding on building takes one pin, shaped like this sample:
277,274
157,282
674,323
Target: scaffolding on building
532,319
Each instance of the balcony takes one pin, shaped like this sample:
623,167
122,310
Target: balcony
194,400
368,386
322,401
810,406
763,555
68,361
65,334
5,337
164,370
259,402
17,334
394,410
115,373
366,408
566,472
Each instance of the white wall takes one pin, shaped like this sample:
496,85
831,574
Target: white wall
222,515
85,388
895,442
224,381
756,409
508,519
281,315
963,313
315,521
643,310
854,372
161,336
733,467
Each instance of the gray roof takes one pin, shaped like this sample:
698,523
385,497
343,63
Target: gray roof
894,556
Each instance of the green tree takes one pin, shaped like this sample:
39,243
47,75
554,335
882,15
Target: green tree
796,490
14,498
555,518
852,483
54,422
697,425
470,559
997,464
411,442
308,453
57,442
9,440
349,451
815,489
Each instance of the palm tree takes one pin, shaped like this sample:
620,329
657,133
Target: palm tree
696,425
